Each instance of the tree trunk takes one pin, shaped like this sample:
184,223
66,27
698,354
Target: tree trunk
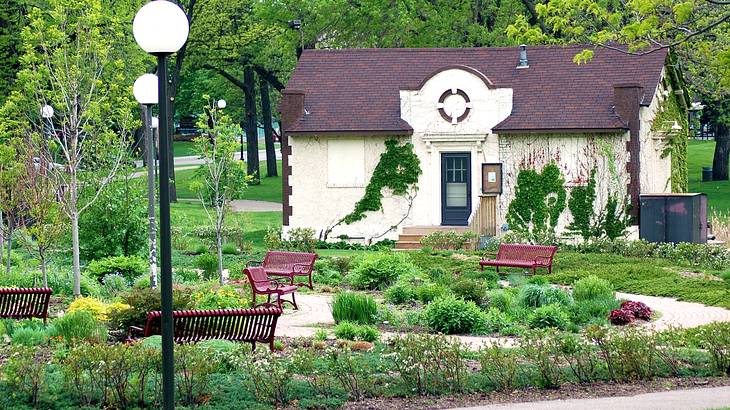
42,257
2,237
152,231
268,128
76,252
722,153
9,244
219,250
252,150
172,90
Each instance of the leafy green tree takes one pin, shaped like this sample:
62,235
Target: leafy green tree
221,178
12,20
696,32
11,206
74,59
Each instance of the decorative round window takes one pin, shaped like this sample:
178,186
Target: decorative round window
454,105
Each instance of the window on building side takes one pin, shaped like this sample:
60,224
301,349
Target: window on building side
345,162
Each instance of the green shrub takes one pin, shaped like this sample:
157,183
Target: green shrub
495,321
25,373
592,288
269,375
381,270
183,275
592,311
208,263
353,331
552,315
444,240
533,295
219,297
501,299
428,292
230,249
469,289
630,353
540,350
29,337
400,293
354,307
300,240
429,363
147,300
130,267
116,223
114,284
715,338
500,367
79,326
450,315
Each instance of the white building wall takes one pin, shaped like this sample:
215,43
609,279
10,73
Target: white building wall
319,200
656,161
432,135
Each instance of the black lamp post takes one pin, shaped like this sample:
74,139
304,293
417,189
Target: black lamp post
145,91
161,28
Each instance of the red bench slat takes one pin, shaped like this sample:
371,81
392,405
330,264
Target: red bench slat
523,256
25,303
238,325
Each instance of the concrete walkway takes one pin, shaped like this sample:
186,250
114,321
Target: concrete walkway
314,311
699,399
246,205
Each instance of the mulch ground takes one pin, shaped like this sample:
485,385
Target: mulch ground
567,391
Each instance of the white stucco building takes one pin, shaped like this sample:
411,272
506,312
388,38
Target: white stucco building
475,118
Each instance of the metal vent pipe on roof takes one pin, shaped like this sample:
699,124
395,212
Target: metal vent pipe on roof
523,57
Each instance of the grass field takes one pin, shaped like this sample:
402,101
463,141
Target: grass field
269,189
187,148
699,154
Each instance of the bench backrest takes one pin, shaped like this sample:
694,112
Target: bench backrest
280,260
525,252
258,278
236,325
24,303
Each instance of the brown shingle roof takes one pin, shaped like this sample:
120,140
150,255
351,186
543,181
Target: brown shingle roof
356,91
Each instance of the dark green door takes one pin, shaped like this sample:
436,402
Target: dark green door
455,188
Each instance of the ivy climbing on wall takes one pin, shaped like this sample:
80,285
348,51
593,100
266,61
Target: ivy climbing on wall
539,201
581,206
676,143
611,222
398,169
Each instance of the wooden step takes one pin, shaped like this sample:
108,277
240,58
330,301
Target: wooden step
408,245
425,230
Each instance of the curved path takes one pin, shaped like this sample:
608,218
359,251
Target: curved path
314,312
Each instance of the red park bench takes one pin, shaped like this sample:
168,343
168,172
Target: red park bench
288,264
261,284
236,325
25,303
522,256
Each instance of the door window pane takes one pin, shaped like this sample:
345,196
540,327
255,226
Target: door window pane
456,194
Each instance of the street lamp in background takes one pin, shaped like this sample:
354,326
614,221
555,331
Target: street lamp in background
161,28
221,104
145,91
47,115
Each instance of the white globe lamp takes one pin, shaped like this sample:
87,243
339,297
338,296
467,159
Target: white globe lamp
160,27
145,89
222,104
155,123
46,111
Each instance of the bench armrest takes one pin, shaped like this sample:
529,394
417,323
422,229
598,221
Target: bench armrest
132,330
301,268
250,263
545,260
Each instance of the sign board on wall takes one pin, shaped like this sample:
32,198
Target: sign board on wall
491,178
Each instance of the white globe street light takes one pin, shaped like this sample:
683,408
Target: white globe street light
46,111
161,28
222,104
155,123
145,89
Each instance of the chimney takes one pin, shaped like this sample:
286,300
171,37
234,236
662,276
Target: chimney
523,57
291,108
627,102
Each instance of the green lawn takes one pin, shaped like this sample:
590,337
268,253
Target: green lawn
187,148
268,190
699,154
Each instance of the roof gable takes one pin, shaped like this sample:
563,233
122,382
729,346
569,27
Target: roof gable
358,90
